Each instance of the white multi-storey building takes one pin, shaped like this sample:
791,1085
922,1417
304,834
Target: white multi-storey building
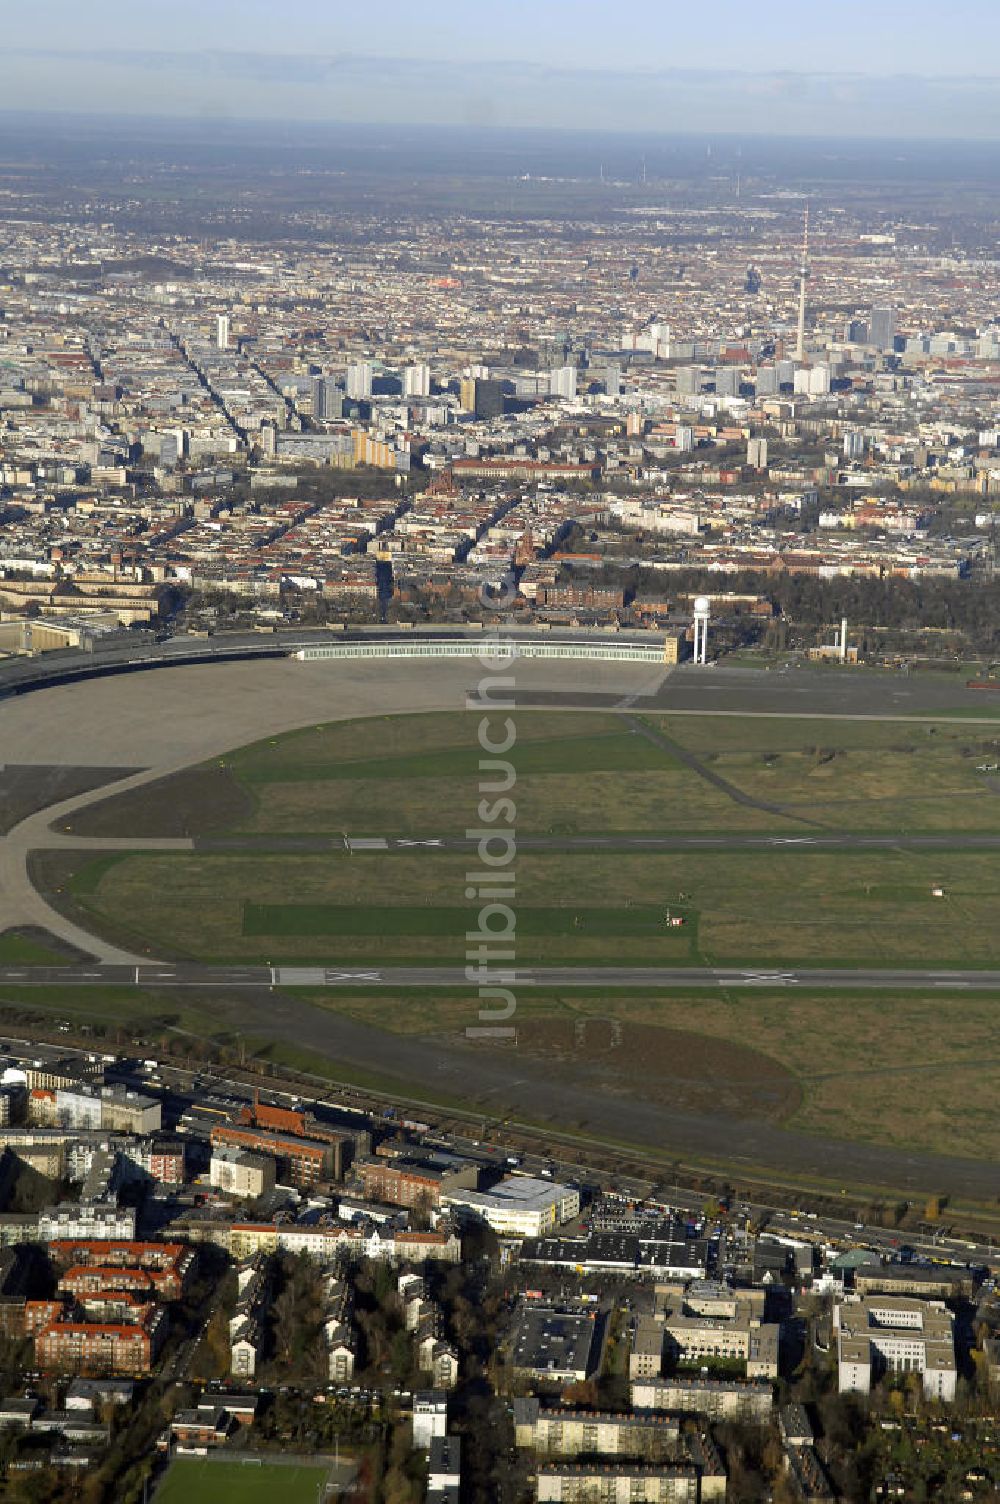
417,381
359,379
96,1219
520,1207
562,382
898,1334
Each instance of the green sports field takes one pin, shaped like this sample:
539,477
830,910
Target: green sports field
195,1480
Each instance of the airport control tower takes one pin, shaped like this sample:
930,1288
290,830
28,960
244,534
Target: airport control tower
702,612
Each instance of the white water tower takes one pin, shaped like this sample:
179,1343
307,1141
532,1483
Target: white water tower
702,611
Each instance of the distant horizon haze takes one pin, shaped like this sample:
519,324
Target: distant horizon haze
881,71
878,38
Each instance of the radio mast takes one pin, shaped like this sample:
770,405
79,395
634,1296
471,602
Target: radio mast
800,343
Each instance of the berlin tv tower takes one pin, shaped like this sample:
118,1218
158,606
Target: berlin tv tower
800,343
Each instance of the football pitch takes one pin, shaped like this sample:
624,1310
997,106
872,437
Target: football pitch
197,1480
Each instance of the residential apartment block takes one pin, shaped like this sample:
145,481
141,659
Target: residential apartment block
749,1400
558,1431
610,1483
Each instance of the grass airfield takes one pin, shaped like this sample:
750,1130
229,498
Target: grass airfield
577,775
844,1065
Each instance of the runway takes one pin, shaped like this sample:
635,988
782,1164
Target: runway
677,978
840,841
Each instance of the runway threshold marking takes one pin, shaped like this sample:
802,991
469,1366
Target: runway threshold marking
297,976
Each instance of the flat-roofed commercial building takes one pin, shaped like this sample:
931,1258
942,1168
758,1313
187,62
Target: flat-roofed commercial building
645,1361
896,1334
666,1253
430,1417
555,1345
67,1073
415,1180
940,1281
129,1111
300,1161
501,468
520,1207
239,1173
739,1336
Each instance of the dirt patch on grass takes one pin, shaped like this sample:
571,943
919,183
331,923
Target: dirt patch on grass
25,788
688,1071
197,801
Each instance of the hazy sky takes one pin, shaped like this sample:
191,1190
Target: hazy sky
851,66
